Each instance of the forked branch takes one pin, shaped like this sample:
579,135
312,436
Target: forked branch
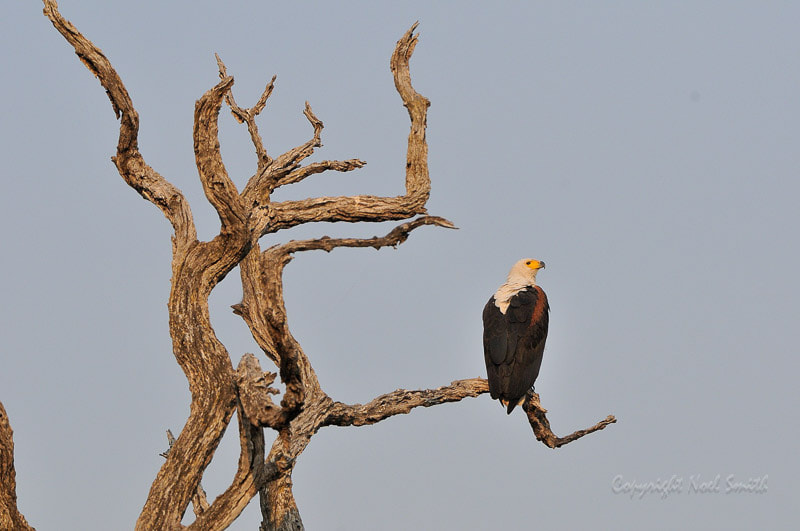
276,216
248,116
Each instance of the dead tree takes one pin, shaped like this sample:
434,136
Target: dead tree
217,389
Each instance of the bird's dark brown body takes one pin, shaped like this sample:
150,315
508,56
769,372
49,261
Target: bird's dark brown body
513,343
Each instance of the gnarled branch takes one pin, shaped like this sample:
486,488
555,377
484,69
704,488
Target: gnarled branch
401,402
265,181
251,476
541,426
219,189
299,174
394,238
201,355
129,161
254,394
264,310
418,183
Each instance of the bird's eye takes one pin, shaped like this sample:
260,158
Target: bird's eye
528,262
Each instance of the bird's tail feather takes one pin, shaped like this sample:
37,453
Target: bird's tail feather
511,405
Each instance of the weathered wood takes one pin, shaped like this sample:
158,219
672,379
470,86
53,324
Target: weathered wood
541,426
10,517
255,394
129,161
199,500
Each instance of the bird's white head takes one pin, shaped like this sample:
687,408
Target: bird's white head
524,272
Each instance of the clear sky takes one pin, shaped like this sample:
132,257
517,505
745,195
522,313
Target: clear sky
648,152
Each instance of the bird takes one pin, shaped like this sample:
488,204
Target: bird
515,324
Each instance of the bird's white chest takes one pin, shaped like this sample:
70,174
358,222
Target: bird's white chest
502,297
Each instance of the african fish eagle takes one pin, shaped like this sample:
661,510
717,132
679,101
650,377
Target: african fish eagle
514,332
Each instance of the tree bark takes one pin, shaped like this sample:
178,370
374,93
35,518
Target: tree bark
217,390
278,507
10,517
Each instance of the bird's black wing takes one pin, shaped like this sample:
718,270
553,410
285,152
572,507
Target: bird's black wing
495,336
495,348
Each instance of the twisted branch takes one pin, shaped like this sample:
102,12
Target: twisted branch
218,187
266,180
251,475
541,426
299,174
401,402
255,394
129,162
394,238
264,310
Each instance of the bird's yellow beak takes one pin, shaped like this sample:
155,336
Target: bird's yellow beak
535,264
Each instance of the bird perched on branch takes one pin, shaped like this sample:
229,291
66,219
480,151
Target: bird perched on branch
514,333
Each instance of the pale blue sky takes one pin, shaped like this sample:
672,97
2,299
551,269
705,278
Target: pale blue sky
648,152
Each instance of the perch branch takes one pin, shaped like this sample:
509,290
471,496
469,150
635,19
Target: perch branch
10,517
128,160
401,402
